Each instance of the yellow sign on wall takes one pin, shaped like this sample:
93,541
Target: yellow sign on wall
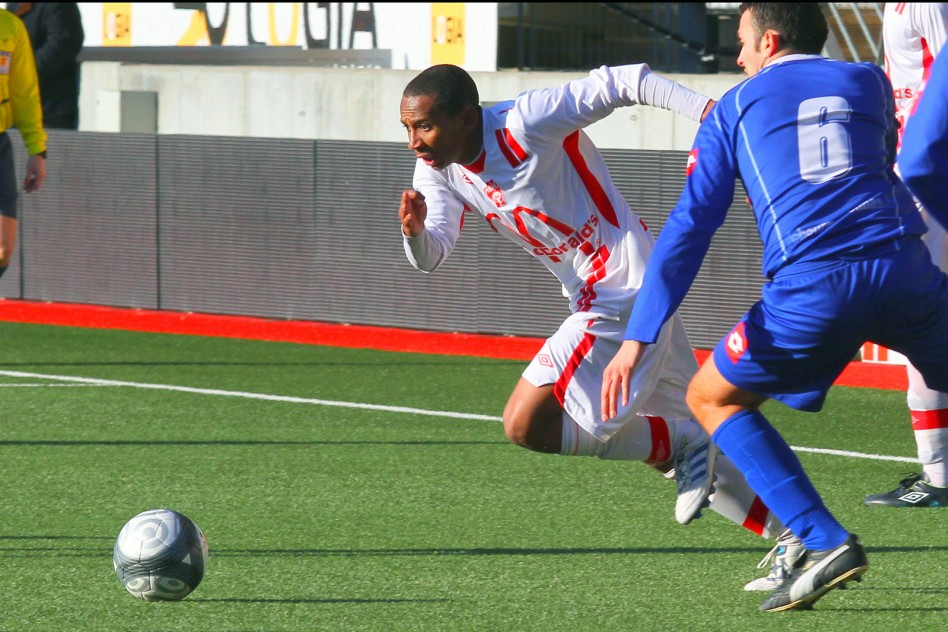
116,23
447,33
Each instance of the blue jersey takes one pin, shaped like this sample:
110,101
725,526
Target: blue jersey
813,141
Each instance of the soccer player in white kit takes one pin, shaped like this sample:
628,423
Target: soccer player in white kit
913,33
527,168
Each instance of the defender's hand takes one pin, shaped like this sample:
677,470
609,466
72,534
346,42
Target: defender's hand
618,374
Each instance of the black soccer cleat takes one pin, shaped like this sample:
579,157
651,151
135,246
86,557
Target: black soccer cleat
816,573
913,491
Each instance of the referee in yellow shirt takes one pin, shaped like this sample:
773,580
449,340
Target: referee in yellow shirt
20,107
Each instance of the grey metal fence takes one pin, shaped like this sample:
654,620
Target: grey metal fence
308,230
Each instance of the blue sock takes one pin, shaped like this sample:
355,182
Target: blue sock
775,473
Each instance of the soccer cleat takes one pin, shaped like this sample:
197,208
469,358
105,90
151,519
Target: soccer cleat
817,572
694,475
913,491
788,550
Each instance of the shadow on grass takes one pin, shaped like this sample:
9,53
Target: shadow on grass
55,537
224,442
434,552
464,362
339,600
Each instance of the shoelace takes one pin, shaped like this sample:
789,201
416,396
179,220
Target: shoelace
776,552
910,479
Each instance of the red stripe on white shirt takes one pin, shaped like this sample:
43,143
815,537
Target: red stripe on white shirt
514,145
505,149
588,291
593,187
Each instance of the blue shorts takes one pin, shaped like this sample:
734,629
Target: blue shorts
8,189
812,320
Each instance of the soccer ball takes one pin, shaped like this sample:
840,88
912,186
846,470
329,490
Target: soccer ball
160,555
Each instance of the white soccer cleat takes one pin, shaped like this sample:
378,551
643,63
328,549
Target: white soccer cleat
694,475
784,555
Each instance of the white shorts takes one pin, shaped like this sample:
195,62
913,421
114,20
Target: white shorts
574,358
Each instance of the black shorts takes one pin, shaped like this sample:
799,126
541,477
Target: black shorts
8,187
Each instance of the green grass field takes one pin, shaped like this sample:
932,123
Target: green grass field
369,515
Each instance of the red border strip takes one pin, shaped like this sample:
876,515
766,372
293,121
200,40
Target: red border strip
861,374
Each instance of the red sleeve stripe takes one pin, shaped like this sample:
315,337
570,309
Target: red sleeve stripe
593,187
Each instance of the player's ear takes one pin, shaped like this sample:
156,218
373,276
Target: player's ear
771,42
470,117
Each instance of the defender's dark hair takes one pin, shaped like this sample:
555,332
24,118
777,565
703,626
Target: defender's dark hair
801,25
451,88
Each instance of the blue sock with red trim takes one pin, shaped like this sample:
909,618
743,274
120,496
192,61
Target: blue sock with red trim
772,470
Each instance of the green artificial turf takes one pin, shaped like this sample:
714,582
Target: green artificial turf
338,517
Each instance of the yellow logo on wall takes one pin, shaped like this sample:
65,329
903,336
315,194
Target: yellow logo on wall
447,33
116,23
291,39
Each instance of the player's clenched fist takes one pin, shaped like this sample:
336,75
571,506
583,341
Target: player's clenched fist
412,212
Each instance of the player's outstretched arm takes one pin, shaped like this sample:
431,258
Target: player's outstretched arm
412,213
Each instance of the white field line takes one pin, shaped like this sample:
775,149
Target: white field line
89,381
261,396
13,385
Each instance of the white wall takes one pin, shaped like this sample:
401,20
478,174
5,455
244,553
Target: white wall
406,29
332,103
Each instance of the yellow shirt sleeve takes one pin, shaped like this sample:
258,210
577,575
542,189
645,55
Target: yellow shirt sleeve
24,92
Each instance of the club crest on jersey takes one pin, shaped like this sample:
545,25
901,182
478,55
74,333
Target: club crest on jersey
692,161
492,190
736,344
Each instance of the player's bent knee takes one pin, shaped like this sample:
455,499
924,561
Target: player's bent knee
696,400
533,433
515,432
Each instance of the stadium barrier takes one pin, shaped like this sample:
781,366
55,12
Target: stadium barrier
308,230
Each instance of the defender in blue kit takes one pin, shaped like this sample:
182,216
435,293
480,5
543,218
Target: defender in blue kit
813,140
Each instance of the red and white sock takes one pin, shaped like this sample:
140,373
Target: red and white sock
929,411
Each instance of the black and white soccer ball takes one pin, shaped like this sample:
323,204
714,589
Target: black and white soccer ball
160,555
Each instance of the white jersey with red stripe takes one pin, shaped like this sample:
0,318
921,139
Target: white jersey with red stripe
540,182
913,33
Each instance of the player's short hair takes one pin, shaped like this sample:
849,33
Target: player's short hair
801,25
450,87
